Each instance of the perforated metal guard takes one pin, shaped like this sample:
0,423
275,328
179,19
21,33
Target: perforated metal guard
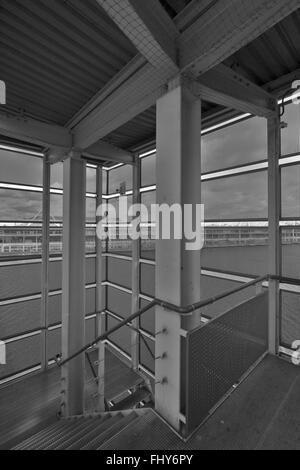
220,353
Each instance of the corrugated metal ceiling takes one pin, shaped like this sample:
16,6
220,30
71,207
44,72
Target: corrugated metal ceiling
55,55
141,129
273,55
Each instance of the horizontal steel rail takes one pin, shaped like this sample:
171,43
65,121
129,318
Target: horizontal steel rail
168,306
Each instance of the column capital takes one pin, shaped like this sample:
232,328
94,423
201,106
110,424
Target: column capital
187,82
60,154
75,153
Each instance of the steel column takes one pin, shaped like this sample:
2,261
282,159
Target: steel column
100,304
178,173
45,260
73,284
136,249
274,152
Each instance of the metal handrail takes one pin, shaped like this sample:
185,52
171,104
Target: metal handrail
183,311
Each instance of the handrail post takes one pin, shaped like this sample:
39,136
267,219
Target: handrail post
274,151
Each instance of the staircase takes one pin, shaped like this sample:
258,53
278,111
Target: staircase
140,429
82,433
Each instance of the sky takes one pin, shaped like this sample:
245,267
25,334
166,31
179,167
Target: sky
238,197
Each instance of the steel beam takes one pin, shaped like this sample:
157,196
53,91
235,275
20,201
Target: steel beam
73,283
177,270
274,152
225,27
136,94
35,132
108,152
210,33
149,28
223,86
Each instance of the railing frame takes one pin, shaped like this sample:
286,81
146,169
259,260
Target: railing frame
183,311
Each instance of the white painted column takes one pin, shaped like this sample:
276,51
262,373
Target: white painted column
178,173
274,152
73,283
135,281
45,259
100,304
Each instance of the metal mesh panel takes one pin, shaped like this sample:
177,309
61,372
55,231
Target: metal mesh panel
21,355
119,272
147,321
290,315
54,309
20,280
90,301
90,330
122,337
211,287
220,353
53,343
146,358
118,302
55,303
55,273
19,318
148,279
54,338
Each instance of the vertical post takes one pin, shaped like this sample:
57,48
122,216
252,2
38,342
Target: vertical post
100,304
45,260
73,284
274,151
178,173
136,247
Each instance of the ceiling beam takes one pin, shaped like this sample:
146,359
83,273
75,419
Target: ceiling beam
148,26
209,36
108,152
135,65
225,87
283,83
35,132
138,93
226,27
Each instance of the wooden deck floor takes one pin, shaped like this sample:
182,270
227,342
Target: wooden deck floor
30,404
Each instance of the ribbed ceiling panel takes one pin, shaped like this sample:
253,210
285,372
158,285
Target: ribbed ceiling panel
55,55
274,54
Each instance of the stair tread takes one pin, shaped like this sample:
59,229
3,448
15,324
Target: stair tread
37,437
44,437
149,432
111,431
83,428
94,433
102,432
